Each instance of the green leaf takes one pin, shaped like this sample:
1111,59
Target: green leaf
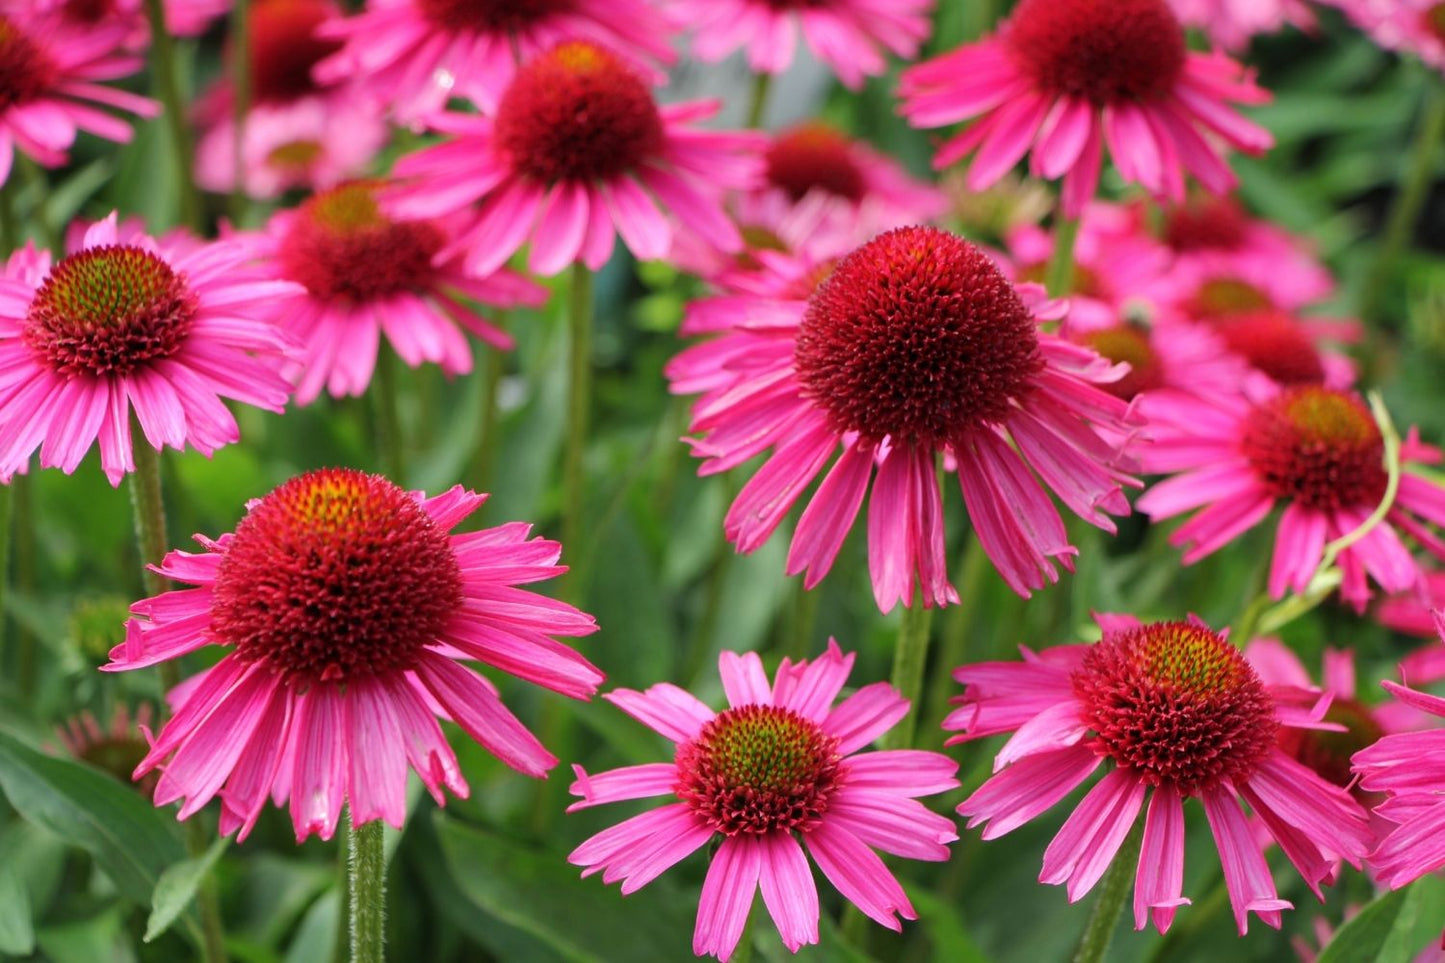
945,927
177,887
319,930
130,839
580,919
17,934
1379,933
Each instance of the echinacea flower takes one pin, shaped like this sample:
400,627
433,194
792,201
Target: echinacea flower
1233,23
851,37
414,55
1409,26
51,85
164,329
578,153
116,747
914,346
296,134
1314,451
1174,712
1062,78
1409,768
777,771
1220,231
184,18
346,610
366,275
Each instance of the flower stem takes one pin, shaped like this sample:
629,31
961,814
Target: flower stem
1408,204
366,875
479,475
388,417
168,83
1059,278
1113,894
910,656
240,35
579,398
758,104
955,631
150,529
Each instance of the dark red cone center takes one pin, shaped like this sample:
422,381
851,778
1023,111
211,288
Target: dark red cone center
578,113
109,310
26,71
1176,704
335,575
491,15
1319,447
918,336
1104,51
814,156
757,770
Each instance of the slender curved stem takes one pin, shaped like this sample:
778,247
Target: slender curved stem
910,657
150,528
388,417
579,399
240,36
1408,203
479,474
1113,894
366,874
168,83
758,104
1059,278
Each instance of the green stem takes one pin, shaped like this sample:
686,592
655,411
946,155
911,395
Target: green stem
479,475
150,528
366,874
241,105
388,417
1059,278
955,632
168,84
803,616
910,657
758,104
22,531
1113,894
10,234
7,500
579,398
703,637
1408,203
341,946
39,215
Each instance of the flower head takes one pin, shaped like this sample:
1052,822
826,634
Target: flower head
49,84
1313,450
367,274
912,346
1062,78
1233,23
579,149
164,328
344,607
414,55
778,770
852,37
1175,712
1409,768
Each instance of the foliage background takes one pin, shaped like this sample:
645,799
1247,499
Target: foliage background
81,851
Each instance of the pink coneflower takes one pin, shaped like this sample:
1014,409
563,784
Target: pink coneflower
1176,708
780,760
1233,23
296,134
1064,77
1328,752
580,149
1314,451
1410,769
128,324
414,55
315,142
914,346
366,275
50,85
1287,350
851,36
184,18
116,747
1411,26
345,609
